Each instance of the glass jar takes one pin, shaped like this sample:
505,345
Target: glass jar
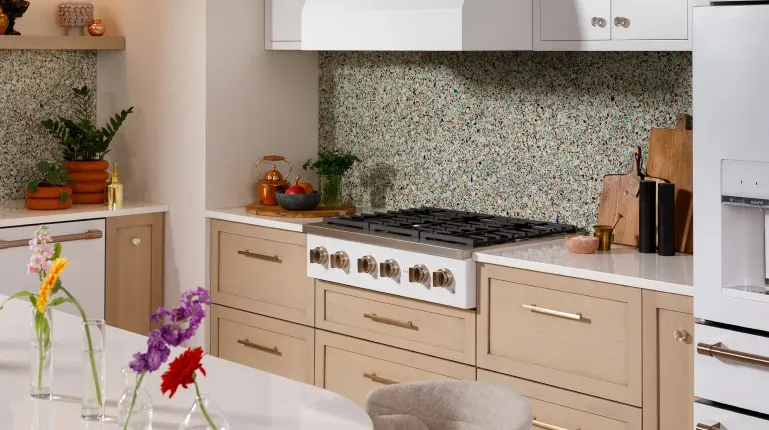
93,365
134,409
331,189
41,354
204,414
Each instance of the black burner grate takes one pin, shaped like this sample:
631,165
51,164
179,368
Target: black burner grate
466,229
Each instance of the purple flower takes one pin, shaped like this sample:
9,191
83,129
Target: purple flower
160,314
139,363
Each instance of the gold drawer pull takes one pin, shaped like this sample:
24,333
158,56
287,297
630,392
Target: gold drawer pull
717,350
405,324
248,343
537,309
249,254
380,380
716,426
89,235
542,425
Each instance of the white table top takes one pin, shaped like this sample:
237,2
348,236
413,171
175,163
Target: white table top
249,398
622,265
13,213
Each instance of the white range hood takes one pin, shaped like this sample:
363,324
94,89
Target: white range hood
417,25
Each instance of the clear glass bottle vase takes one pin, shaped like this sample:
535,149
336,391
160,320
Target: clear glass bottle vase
41,354
93,365
331,190
134,409
203,413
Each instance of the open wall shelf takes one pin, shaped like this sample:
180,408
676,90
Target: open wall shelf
71,43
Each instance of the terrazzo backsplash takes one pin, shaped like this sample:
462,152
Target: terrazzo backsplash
528,134
35,85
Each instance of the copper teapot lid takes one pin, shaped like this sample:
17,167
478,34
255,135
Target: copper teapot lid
274,175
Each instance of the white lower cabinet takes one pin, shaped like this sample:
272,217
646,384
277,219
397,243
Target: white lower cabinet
580,20
711,417
650,19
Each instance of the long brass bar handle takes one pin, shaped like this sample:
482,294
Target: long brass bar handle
541,425
250,344
405,324
271,259
89,235
378,379
537,309
717,350
716,426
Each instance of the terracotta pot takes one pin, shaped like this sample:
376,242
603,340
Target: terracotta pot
48,198
87,166
90,187
88,198
48,192
90,180
47,204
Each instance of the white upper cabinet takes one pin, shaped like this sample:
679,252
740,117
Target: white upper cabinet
582,20
283,19
650,19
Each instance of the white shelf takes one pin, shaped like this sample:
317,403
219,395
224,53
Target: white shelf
72,43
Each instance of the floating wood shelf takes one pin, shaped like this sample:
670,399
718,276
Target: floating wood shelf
72,43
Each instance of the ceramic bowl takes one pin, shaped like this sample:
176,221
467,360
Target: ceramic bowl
582,244
298,202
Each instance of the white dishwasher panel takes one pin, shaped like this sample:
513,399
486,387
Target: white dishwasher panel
84,276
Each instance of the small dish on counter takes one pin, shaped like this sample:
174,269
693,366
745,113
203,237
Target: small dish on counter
582,244
298,202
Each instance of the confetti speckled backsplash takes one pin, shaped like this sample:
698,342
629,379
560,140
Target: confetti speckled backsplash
35,85
527,134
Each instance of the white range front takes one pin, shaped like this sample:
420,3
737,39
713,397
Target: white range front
459,291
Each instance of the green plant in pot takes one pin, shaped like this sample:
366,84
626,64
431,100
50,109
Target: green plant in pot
51,189
331,167
84,145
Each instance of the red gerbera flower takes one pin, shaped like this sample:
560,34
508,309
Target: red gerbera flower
182,370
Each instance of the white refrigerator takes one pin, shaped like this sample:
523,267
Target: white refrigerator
731,209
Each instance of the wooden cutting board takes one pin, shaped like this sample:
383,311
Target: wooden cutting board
319,212
670,157
619,196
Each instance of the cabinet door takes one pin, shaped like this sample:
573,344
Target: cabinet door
650,19
578,20
134,275
668,329
286,19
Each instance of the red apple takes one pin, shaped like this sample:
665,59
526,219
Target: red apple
296,189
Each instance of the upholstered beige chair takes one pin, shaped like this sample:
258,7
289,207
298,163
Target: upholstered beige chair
447,405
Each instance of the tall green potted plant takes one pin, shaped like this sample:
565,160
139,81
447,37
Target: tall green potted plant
331,167
85,146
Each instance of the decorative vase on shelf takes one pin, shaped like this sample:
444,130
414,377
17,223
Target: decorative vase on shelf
93,367
204,414
41,355
331,188
74,17
97,28
134,409
13,9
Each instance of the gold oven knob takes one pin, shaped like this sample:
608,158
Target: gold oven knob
442,278
367,264
419,274
389,269
318,255
340,260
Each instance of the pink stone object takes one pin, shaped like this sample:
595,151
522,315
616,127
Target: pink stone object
582,244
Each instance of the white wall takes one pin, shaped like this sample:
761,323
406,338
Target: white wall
161,149
259,103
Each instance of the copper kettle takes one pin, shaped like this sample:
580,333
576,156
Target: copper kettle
272,181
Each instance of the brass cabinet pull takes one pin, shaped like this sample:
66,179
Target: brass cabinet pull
249,254
716,426
717,350
89,235
378,379
250,344
540,424
405,324
537,309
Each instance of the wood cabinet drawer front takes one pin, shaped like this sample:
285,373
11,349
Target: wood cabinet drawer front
263,343
567,410
352,367
261,274
423,327
565,332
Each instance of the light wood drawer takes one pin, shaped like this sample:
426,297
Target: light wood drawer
409,324
261,270
567,410
263,343
599,354
352,367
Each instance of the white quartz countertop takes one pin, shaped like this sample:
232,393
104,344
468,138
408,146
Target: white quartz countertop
622,265
13,213
249,398
240,215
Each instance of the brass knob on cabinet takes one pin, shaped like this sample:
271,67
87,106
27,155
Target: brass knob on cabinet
318,255
136,241
621,22
442,278
367,264
419,274
340,260
389,269
682,335
598,22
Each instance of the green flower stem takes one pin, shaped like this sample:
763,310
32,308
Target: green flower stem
90,345
41,358
203,408
133,399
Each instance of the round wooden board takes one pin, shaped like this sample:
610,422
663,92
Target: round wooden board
319,212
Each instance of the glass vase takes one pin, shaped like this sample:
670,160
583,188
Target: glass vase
331,190
93,366
134,409
41,355
203,413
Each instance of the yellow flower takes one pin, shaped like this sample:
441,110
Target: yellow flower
50,281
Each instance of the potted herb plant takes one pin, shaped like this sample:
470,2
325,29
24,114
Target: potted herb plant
85,146
331,167
51,189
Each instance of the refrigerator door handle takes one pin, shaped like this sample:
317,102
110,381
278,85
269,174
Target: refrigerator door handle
717,350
